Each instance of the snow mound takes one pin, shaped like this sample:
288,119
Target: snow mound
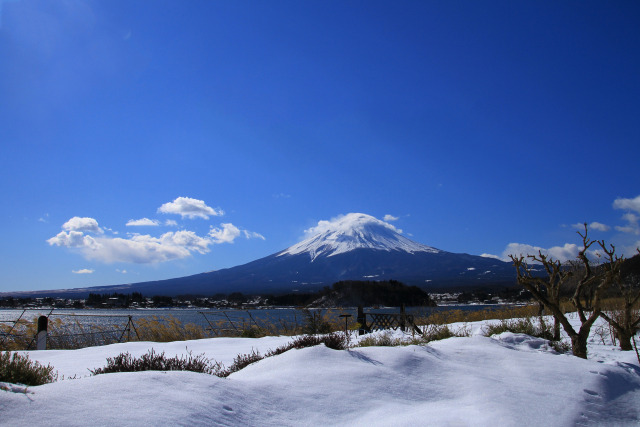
523,342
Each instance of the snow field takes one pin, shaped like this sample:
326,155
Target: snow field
507,380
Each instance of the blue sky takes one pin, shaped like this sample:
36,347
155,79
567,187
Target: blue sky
233,126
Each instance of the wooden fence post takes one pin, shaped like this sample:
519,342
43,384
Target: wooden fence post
41,340
403,318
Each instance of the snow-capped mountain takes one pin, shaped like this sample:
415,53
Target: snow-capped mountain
354,231
351,247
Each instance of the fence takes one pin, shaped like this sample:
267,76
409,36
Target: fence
22,335
370,322
243,323
15,324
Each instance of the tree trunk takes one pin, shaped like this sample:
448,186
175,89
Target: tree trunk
556,329
579,345
625,340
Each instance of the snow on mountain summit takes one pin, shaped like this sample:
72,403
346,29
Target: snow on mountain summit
354,231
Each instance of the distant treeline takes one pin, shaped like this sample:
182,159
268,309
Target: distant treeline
350,293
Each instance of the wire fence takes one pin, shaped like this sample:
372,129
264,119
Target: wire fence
100,329
77,330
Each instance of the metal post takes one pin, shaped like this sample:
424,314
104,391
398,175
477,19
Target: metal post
361,319
346,326
41,340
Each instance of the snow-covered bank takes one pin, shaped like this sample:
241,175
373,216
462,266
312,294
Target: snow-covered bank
504,380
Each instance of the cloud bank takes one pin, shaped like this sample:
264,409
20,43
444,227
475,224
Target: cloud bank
83,235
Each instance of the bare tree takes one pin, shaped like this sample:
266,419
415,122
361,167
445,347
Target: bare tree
625,321
549,286
588,292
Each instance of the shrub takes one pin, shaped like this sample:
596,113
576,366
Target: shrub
561,346
153,361
381,340
316,322
18,369
253,332
430,333
334,340
441,332
241,361
519,326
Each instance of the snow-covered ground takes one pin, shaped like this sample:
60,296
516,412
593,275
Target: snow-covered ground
504,380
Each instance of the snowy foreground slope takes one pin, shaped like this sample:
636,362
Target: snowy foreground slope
505,380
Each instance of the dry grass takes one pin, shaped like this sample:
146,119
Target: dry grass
445,317
167,329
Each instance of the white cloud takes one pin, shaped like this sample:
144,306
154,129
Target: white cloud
252,235
388,217
599,226
627,204
593,226
491,256
72,239
143,222
229,232
87,225
83,271
633,226
170,223
186,239
190,208
226,234
561,253
121,271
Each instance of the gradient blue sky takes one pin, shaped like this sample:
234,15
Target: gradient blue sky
233,126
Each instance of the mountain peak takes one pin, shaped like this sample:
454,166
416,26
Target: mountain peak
354,231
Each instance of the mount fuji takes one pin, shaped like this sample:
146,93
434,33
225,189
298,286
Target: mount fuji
352,247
